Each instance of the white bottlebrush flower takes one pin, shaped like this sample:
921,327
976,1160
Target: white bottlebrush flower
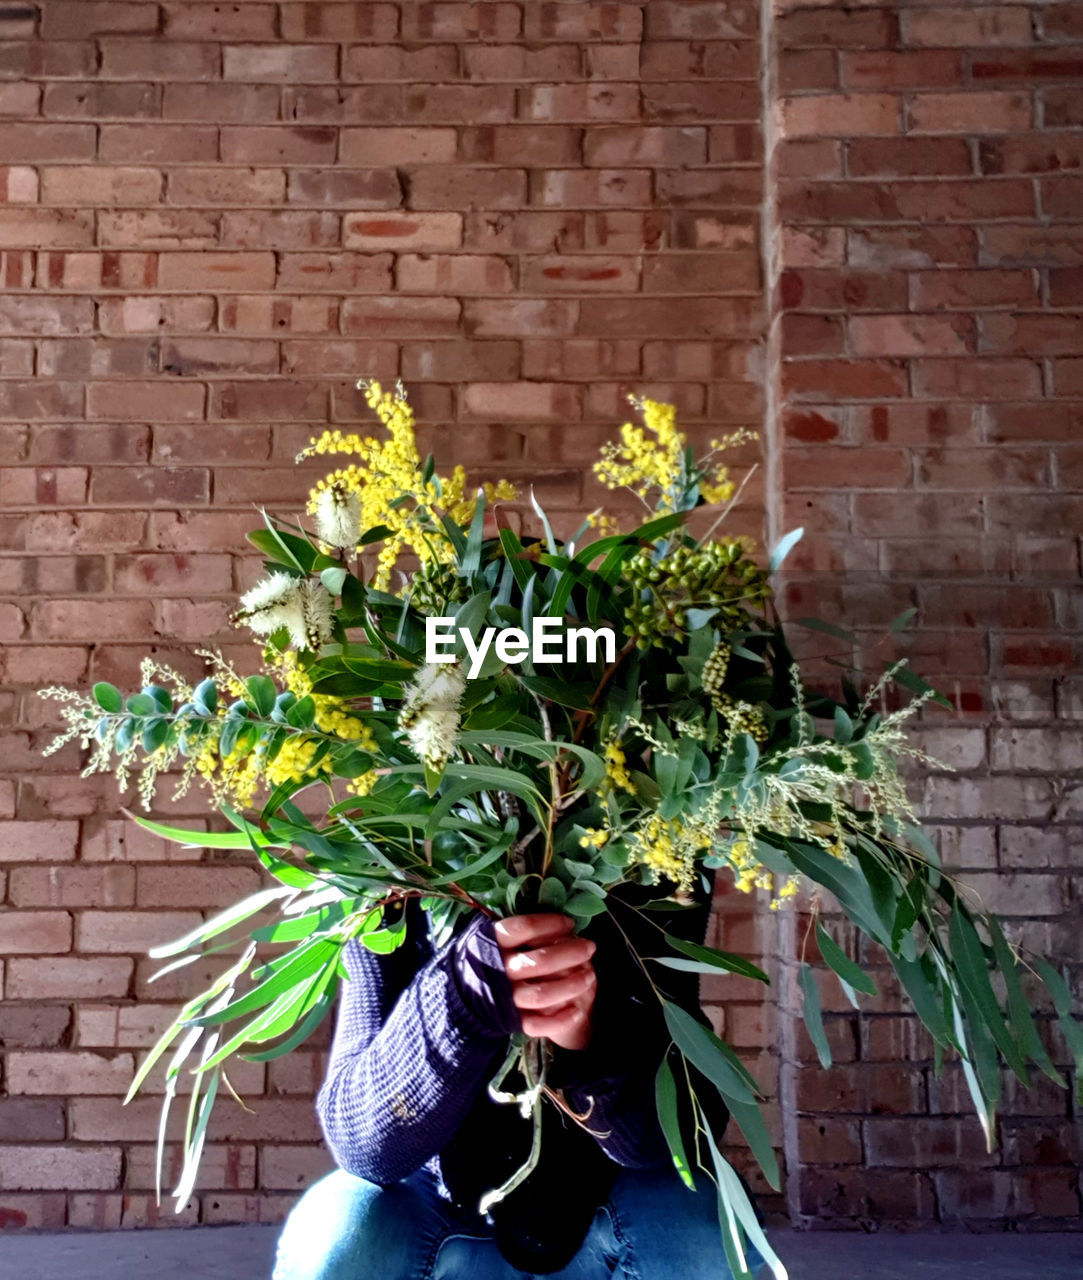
430,712
301,605
338,517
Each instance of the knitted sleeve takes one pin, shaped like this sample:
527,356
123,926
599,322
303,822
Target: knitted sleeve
415,1040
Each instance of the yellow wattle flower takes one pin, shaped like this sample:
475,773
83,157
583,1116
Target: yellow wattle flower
389,470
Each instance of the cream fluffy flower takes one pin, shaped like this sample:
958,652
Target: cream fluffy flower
302,605
338,517
430,712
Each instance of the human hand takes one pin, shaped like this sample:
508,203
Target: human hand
552,978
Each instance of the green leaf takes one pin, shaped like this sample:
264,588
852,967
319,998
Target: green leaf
224,920
108,697
903,620
699,1045
815,624
923,997
846,969
1069,1027
140,704
736,1208
585,905
783,548
262,693
293,970
471,556
969,960
205,697
1018,1005
155,733
810,1011
203,839
912,681
665,1097
301,1032
333,578
714,958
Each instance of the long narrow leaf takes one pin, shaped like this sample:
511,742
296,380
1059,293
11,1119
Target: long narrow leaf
224,920
697,1043
665,1096
810,1011
846,969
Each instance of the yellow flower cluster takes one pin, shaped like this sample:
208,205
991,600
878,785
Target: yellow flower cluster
593,838
391,470
668,849
616,767
640,463
237,777
748,874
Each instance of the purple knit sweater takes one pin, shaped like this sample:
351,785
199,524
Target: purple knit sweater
419,1035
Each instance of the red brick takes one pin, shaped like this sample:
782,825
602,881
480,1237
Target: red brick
988,379
216,270
131,931
1027,66
1062,22
159,59
832,380
969,112
332,21
447,361
216,187
966,28
50,1167
279,144
839,115
1019,333
401,316
284,62
218,21
454,274
868,157
461,187
34,932
911,335
415,231
342,272
1031,153
354,188
952,290
71,886
233,103
814,467
689,19
528,401
214,887
75,19
398,146
45,228
901,70
460,21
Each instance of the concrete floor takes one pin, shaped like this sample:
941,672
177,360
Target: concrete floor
246,1253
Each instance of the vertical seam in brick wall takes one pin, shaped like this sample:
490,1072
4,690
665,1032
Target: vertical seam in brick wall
786,931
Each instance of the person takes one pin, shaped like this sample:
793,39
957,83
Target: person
407,1114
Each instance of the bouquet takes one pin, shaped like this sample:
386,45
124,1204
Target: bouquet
527,725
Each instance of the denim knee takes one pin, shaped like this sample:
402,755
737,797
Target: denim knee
344,1228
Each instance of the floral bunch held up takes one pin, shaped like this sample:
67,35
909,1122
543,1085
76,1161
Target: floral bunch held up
691,746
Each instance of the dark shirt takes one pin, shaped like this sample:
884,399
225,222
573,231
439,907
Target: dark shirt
421,1033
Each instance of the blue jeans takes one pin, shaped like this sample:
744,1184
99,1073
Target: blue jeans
344,1228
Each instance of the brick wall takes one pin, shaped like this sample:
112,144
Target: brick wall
926,252
215,217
